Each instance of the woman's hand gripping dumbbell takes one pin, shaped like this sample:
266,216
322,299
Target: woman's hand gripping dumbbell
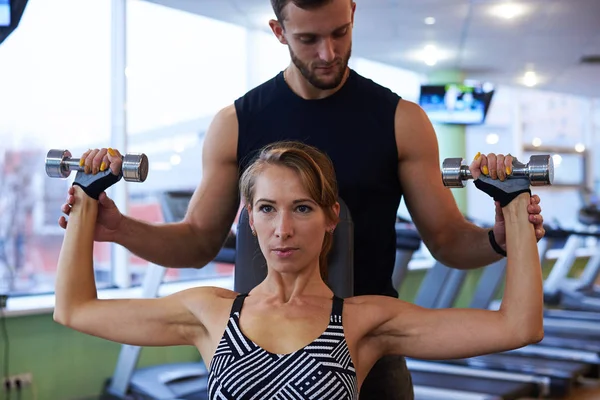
133,166
539,171
503,180
108,169
494,169
98,162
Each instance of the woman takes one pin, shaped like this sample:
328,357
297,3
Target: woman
290,337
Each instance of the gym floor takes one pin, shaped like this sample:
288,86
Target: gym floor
586,392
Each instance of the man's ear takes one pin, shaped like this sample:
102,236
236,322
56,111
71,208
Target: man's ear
278,31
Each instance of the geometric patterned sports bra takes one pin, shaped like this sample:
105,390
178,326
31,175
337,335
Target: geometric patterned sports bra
242,370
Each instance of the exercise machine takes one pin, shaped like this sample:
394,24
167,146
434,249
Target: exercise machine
455,381
577,294
562,373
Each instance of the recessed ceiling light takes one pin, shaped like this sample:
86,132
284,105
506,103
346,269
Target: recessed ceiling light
508,10
557,158
492,138
175,159
580,147
430,55
429,21
530,79
536,142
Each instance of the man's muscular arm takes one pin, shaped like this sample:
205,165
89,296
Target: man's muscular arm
441,225
197,239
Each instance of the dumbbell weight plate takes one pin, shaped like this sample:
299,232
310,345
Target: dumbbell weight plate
541,170
135,167
452,173
55,167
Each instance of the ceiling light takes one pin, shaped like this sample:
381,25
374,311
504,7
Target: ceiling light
175,159
557,159
430,55
508,10
492,138
429,21
536,142
530,79
580,147
487,87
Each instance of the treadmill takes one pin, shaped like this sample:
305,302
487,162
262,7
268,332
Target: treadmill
185,381
456,381
567,323
552,346
562,373
579,294
573,325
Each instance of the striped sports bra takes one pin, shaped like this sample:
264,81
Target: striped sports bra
242,370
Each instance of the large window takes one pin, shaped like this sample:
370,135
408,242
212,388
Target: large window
54,93
266,56
181,69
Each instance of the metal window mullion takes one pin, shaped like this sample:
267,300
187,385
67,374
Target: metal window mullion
121,276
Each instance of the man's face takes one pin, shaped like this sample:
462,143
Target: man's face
320,41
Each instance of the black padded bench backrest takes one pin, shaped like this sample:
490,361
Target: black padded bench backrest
251,266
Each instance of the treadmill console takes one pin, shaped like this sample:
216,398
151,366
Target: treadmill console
174,207
174,204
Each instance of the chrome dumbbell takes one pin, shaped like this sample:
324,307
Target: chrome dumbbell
60,163
539,170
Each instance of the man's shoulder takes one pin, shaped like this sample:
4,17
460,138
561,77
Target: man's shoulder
260,96
368,87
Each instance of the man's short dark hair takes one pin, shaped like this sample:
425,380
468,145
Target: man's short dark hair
278,6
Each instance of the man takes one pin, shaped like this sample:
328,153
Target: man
382,147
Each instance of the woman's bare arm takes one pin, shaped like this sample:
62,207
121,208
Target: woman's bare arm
403,328
144,322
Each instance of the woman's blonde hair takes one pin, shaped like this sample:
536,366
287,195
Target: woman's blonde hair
316,173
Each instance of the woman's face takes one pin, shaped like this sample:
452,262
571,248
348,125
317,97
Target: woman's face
289,224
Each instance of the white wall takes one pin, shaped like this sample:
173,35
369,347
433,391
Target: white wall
518,116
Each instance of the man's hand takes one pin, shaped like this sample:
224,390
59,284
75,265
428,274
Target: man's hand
109,216
498,166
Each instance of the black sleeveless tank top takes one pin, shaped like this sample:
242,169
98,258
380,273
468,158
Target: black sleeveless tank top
355,127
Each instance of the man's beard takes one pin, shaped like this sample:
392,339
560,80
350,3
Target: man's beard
310,75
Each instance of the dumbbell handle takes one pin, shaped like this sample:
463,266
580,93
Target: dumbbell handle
518,171
72,164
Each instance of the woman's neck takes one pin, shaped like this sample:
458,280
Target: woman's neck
286,287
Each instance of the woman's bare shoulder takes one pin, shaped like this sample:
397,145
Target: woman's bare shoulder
207,295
